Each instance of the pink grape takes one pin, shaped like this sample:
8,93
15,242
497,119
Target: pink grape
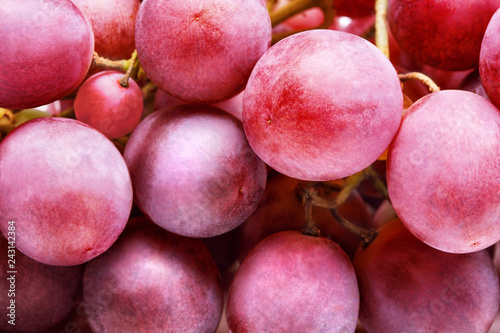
406,285
442,171
42,294
354,8
47,49
113,25
445,34
294,283
201,51
153,281
322,105
489,60
104,104
66,187
193,171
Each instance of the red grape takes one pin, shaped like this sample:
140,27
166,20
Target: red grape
201,51
46,51
42,294
322,105
489,61
294,283
442,171
104,104
406,285
153,281
445,34
113,25
66,187
193,171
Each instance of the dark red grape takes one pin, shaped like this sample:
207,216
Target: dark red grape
407,286
153,281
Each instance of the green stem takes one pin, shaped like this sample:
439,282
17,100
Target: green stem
133,68
67,113
120,65
377,183
381,33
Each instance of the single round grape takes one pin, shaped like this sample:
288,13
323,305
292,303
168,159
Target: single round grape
489,60
407,286
47,49
113,24
66,187
193,171
442,171
322,105
201,51
291,282
104,104
153,281
35,296
445,34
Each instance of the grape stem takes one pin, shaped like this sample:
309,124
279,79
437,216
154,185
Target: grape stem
365,235
310,228
97,61
431,85
377,183
295,7
67,113
381,32
132,70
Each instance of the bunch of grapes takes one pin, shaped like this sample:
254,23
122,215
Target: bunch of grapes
249,166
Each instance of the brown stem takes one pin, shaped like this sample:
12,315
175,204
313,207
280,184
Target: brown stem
365,235
431,85
133,67
310,228
120,65
377,183
381,33
295,7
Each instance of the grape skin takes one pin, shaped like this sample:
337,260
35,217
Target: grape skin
46,52
66,187
407,286
201,51
104,104
322,105
153,281
291,282
193,171
442,171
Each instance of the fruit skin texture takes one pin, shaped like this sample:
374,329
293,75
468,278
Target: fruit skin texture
446,34
294,283
153,281
322,105
201,51
113,23
489,60
406,286
47,48
67,189
442,171
193,171
44,294
104,104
